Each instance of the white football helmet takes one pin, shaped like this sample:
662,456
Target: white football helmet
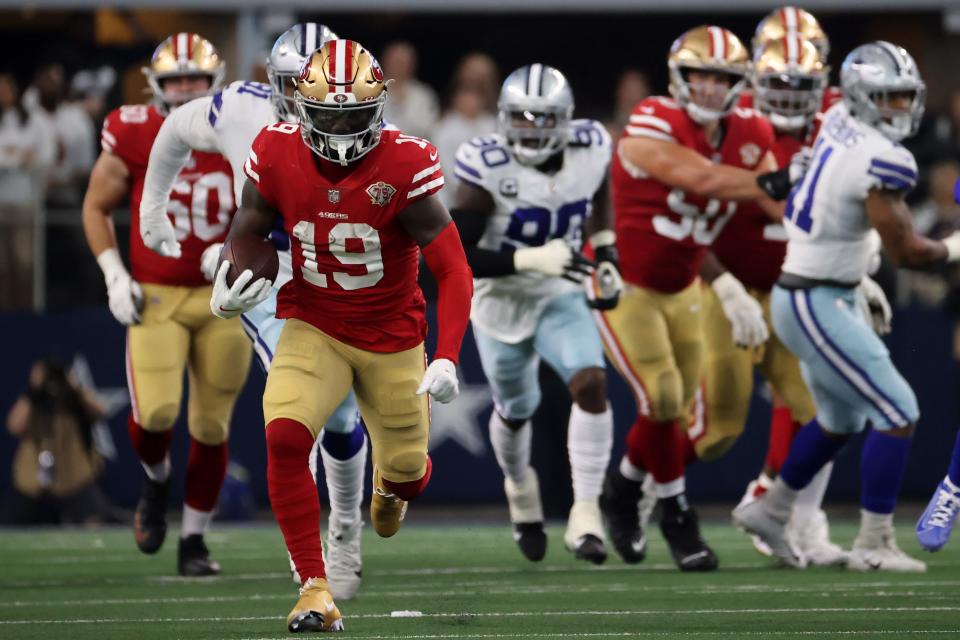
535,108
870,74
287,58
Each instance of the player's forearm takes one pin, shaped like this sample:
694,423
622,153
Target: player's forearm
916,252
487,263
711,268
168,156
98,228
448,263
723,182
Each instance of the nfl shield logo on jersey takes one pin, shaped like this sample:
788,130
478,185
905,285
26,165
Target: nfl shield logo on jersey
333,195
750,154
508,187
380,193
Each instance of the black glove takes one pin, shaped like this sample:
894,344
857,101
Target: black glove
604,293
776,184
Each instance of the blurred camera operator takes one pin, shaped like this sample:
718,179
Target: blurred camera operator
55,467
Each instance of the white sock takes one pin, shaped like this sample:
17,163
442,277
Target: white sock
158,472
873,526
345,483
195,521
779,500
589,440
670,489
630,471
810,497
511,447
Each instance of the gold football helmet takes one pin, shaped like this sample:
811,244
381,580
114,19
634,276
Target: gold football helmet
785,21
708,49
182,55
789,78
340,96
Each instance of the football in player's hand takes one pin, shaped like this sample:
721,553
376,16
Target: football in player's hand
254,253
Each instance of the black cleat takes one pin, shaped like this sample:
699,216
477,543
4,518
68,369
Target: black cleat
150,518
193,558
681,529
619,504
532,540
591,548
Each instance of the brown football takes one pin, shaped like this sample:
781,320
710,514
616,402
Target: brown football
251,252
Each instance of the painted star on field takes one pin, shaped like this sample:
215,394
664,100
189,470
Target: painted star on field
459,420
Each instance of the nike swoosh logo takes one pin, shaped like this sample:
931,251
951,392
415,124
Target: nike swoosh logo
639,545
433,156
329,606
694,557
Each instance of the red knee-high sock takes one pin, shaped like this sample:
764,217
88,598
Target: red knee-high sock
409,490
150,446
206,468
293,494
782,431
656,447
687,449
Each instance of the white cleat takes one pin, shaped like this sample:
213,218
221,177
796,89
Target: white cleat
881,553
748,497
341,555
755,519
809,533
584,536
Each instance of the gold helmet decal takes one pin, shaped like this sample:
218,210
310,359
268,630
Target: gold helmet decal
789,78
786,21
708,49
340,96
184,54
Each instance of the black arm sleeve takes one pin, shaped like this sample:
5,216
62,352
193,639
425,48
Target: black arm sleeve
485,263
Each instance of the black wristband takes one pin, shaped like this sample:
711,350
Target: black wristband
776,184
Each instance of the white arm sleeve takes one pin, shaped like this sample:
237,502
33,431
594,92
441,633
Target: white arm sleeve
184,130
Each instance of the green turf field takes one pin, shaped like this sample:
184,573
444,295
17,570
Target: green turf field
469,582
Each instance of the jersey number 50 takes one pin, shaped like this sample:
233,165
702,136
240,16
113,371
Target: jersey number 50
194,218
704,225
364,250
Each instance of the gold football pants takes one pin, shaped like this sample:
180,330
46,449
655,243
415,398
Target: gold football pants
178,331
312,373
654,341
722,405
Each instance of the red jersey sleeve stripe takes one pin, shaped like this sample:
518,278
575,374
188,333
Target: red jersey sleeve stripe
426,172
647,132
430,187
250,171
651,121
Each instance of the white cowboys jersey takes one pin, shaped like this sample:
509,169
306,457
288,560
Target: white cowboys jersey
531,208
825,218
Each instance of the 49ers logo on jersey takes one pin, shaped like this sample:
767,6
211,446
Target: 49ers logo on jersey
380,193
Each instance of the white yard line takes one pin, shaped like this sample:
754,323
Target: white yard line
507,614
859,589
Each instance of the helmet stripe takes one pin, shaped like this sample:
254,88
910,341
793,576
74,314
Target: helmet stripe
348,66
791,19
309,38
792,48
718,42
332,65
893,53
182,48
534,79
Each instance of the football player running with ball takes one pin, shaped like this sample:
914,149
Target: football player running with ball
858,178
682,168
165,302
228,122
359,204
524,197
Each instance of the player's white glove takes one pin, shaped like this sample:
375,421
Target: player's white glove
953,246
440,381
126,297
229,302
157,232
799,163
876,245
874,305
556,258
742,310
209,260
607,284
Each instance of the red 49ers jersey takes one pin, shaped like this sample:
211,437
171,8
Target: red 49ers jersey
752,246
201,203
663,233
354,266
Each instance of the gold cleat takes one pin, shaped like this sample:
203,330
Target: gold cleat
386,509
315,610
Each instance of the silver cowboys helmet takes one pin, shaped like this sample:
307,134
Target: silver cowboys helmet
287,57
873,73
534,112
